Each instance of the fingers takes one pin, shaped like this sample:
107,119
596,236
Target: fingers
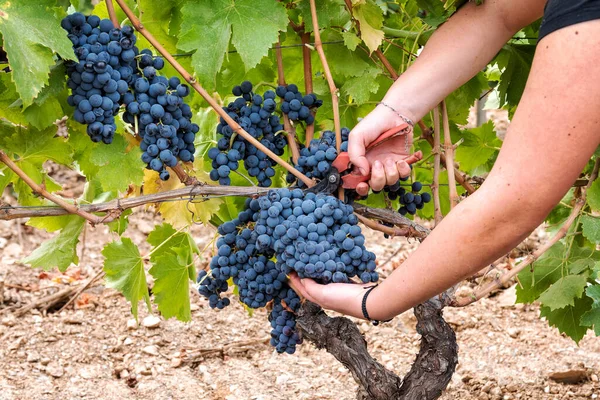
378,180
356,151
362,189
391,171
403,169
308,288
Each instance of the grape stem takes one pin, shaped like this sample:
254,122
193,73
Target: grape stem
561,233
212,102
449,152
436,150
308,83
332,88
69,208
112,14
289,129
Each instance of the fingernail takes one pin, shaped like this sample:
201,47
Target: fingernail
377,164
362,171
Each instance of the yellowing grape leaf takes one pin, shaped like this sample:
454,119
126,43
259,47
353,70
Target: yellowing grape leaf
370,18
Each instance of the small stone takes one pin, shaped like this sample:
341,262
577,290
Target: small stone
33,357
594,378
151,350
511,387
496,391
124,374
9,321
487,387
513,332
176,362
151,322
55,370
132,324
45,361
127,341
483,396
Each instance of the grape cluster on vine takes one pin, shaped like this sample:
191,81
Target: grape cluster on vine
156,106
96,82
315,235
296,106
254,113
112,72
316,159
410,200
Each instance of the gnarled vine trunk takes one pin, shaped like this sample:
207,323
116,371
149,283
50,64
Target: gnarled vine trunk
430,373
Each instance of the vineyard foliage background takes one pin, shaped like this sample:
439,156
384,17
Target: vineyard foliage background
223,42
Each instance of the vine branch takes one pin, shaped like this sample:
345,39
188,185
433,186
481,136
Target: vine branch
561,233
289,129
215,106
112,14
69,208
308,82
435,187
449,152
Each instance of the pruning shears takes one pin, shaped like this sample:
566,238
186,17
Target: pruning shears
342,174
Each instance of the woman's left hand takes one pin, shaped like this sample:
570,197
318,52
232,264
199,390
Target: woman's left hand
345,298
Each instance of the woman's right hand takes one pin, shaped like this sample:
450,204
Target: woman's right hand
386,162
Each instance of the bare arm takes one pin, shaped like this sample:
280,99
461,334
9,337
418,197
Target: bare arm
553,134
454,54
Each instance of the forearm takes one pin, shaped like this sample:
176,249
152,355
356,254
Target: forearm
457,51
477,232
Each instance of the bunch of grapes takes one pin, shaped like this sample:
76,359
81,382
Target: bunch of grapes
410,200
296,106
315,235
156,107
97,83
255,115
284,336
315,160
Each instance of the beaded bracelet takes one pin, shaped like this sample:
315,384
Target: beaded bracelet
405,119
364,306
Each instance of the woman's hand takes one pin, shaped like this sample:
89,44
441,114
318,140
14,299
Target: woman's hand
345,298
386,162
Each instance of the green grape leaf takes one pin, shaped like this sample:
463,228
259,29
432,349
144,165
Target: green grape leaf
350,40
592,319
348,63
593,196
155,14
119,225
460,101
164,238
49,224
515,60
206,29
370,18
46,107
124,268
591,228
6,175
548,269
563,292
329,13
581,265
360,89
36,146
118,167
568,319
32,34
479,145
593,292
172,272
10,107
61,250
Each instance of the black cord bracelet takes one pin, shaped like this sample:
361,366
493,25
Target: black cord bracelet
364,306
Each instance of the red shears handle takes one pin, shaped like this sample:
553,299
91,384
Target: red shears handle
342,162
